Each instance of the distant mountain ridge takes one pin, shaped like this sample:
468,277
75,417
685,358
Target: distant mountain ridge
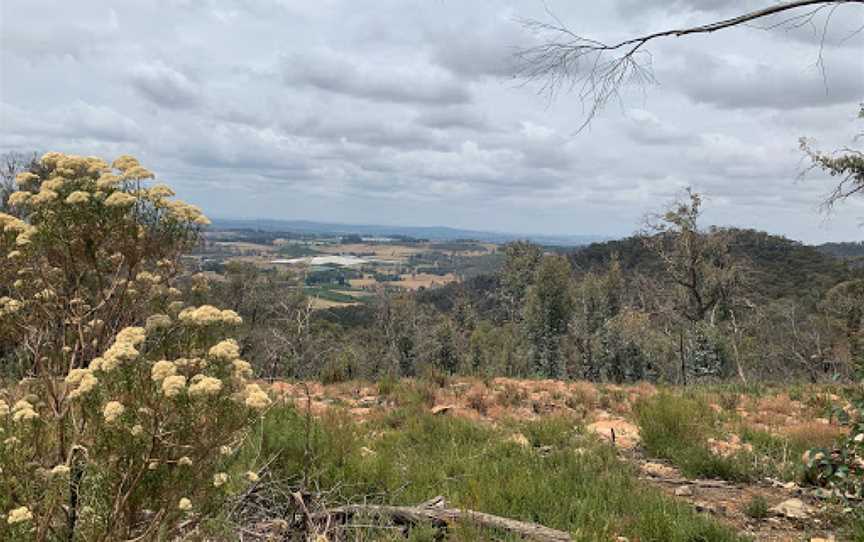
434,233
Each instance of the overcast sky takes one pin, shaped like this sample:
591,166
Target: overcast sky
405,112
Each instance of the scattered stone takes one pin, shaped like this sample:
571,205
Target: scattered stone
367,402
442,409
792,509
684,491
706,507
658,470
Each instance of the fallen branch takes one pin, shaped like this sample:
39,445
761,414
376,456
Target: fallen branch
712,484
435,513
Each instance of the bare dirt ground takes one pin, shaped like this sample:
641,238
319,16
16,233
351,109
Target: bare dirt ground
606,411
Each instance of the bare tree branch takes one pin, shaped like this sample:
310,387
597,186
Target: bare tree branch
596,71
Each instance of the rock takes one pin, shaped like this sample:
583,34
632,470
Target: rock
519,439
622,539
658,470
817,539
626,435
367,402
705,507
544,450
442,409
366,452
684,491
792,508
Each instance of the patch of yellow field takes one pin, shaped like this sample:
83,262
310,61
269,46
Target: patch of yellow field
318,303
422,280
366,282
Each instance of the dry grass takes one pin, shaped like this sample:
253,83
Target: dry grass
812,434
778,404
512,396
584,394
479,400
318,303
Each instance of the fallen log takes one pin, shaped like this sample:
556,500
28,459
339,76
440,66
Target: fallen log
435,513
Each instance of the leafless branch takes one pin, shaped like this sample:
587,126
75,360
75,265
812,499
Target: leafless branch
597,71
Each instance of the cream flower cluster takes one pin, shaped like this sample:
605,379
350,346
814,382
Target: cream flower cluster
82,179
256,398
219,479
204,385
162,369
23,411
206,315
123,349
19,515
227,350
9,306
242,369
173,385
185,212
120,199
78,197
112,411
84,381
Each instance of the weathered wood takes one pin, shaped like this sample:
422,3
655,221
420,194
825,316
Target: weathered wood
435,512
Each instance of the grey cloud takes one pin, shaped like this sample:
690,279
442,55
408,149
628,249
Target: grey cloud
458,117
770,85
645,128
165,86
404,113
480,48
79,120
325,70
626,7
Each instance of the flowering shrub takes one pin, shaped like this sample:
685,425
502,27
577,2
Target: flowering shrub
130,405
90,242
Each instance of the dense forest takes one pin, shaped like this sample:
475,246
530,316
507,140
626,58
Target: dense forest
679,303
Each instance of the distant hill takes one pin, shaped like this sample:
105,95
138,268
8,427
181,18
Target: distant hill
853,253
778,267
433,233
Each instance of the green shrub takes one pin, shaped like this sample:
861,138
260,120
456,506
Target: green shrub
669,422
757,507
387,385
